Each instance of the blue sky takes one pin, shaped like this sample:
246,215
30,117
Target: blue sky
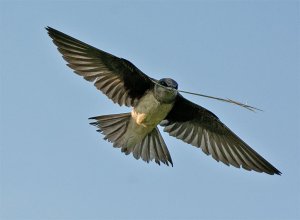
54,165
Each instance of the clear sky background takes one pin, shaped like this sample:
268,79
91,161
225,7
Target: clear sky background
54,165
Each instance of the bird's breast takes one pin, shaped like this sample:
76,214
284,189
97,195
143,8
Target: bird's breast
149,111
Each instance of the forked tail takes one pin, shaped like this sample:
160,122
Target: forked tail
151,147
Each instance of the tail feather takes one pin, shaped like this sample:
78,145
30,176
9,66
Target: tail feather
112,126
151,147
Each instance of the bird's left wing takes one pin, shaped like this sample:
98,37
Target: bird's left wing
117,78
197,126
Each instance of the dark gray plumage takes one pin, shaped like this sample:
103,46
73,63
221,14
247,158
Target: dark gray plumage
154,102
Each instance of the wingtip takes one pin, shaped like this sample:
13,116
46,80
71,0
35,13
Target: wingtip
52,31
48,28
275,171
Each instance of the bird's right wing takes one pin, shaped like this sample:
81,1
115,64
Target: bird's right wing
117,78
201,128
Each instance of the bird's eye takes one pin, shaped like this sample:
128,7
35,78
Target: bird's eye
163,83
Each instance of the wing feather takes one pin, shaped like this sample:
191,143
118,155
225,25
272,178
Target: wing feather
108,72
197,126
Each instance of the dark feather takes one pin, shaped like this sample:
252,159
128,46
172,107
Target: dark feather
108,72
210,134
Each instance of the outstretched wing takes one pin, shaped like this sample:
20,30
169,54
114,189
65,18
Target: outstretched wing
117,78
197,126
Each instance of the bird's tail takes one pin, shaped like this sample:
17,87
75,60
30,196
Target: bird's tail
151,147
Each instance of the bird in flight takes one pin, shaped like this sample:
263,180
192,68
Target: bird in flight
153,102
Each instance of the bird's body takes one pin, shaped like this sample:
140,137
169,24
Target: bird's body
130,129
153,102
147,114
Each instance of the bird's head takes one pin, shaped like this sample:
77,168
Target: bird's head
165,90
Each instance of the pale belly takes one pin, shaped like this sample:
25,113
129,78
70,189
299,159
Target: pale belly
144,117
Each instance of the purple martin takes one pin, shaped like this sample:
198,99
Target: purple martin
153,102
